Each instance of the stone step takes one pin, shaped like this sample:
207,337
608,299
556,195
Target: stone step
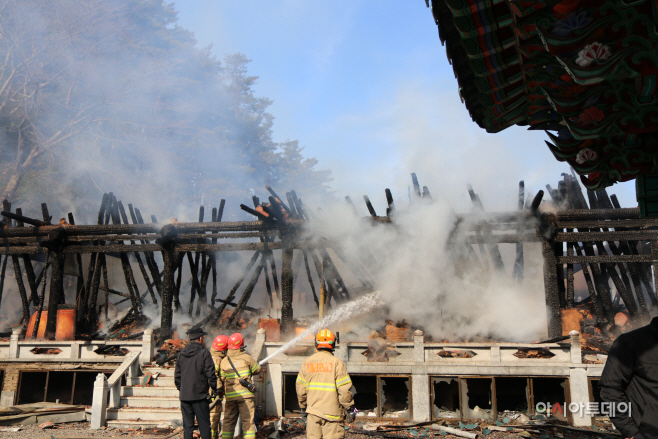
169,391
141,424
155,369
160,381
164,402
144,414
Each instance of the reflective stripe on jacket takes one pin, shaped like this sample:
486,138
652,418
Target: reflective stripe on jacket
246,366
323,386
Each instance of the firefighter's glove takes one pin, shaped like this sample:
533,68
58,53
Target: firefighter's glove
351,414
247,385
304,415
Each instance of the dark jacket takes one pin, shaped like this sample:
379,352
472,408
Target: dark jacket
195,372
631,375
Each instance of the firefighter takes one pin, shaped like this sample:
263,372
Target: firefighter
218,352
323,391
235,371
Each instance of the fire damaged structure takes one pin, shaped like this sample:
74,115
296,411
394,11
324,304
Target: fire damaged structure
401,373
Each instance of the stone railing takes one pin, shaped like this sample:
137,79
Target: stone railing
103,385
418,351
75,350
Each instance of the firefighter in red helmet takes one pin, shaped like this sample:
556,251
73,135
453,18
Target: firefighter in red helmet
323,391
236,372
218,353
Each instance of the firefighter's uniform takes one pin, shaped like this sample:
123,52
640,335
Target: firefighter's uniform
239,400
216,413
323,389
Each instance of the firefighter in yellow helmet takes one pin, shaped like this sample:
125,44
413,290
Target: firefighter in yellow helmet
323,391
218,353
235,372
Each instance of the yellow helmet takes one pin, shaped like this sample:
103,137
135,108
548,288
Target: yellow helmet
325,339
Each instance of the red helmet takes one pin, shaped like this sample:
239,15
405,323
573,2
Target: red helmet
235,341
220,343
325,339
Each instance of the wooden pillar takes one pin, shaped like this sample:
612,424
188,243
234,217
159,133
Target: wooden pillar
654,264
56,292
166,314
553,314
286,288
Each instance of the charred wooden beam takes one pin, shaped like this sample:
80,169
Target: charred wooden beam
414,181
369,206
287,325
214,316
234,318
554,315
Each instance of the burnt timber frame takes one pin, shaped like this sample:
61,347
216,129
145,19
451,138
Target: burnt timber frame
605,240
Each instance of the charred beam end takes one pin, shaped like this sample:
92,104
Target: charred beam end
24,219
255,213
278,199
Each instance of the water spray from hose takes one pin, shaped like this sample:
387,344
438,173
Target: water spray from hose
345,311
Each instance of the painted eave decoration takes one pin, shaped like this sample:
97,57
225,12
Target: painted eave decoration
584,71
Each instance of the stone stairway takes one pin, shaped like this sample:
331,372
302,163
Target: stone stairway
156,405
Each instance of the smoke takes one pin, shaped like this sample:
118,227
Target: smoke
433,284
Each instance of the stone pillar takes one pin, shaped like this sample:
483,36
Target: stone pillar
147,347
579,389
99,402
274,393
420,393
13,341
259,344
495,354
576,355
419,346
9,387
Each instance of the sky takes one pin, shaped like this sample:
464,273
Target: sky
367,89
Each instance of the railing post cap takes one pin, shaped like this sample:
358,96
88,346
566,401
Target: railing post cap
574,333
418,332
100,379
261,331
16,330
148,331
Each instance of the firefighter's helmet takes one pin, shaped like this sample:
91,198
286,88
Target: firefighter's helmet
220,343
236,341
325,339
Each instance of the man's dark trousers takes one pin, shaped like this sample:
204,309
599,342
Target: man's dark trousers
199,409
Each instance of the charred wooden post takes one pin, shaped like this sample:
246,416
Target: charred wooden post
29,270
55,244
2,276
168,234
138,257
125,264
279,200
623,288
414,181
42,298
82,310
234,318
150,259
287,326
310,279
518,270
291,204
18,273
214,316
553,314
426,194
390,211
601,286
369,206
323,295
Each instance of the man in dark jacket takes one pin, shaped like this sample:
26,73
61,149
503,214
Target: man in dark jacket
630,381
195,373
